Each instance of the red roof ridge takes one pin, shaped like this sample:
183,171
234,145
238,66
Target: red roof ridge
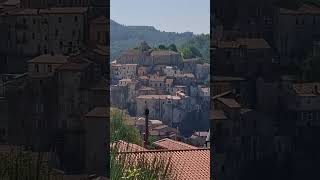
168,150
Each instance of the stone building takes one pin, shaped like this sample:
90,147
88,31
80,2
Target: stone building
145,56
96,152
162,107
202,71
296,30
244,57
98,33
246,19
123,71
97,7
42,31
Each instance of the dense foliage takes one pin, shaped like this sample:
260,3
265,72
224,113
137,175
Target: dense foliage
25,165
125,165
199,46
126,37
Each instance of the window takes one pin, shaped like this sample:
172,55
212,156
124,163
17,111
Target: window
37,67
50,68
307,116
24,36
60,19
308,101
33,21
45,50
24,21
73,32
57,32
98,35
76,19
219,129
33,36
46,37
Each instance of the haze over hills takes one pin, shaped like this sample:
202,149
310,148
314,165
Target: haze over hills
124,37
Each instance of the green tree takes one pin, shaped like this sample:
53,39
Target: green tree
190,52
162,47
173,47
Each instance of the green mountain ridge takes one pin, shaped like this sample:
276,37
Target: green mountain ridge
124,37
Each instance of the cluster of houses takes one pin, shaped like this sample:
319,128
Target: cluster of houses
160,80
262,113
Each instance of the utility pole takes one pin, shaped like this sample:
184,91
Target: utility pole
146,113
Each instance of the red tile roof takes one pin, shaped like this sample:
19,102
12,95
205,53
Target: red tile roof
123,146
191,164
99,112
250,43
49,59
232,103
170,144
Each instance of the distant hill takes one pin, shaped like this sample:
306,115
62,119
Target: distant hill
124,37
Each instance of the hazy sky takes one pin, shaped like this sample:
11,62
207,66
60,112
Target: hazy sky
165,15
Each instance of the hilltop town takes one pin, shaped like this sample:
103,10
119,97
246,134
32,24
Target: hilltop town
176,94
175,90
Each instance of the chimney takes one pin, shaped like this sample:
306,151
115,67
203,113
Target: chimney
146,113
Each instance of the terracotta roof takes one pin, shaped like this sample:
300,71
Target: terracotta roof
217,115
100,20
191,164
307,89
64,10
11,3
76,65
229,102
303,10
163,53
61,10
249,43
123,146
163,126
169,81
163,97
201,133
101,51
24,12
254,43
49,59
221,95
188,75
157,78
131,52
170,144
227,78
144,77
99,112
146,89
